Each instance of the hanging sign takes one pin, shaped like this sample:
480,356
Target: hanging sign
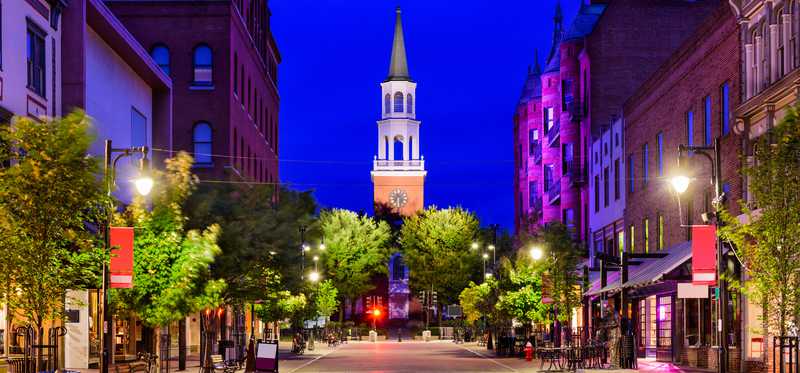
704,255
121,266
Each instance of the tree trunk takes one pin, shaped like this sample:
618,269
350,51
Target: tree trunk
182,344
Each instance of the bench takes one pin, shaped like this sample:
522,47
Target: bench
220,364
133,367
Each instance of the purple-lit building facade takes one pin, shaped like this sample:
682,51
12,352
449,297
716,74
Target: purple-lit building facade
594,65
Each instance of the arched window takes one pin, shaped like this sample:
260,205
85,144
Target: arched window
411,154
202,65
398,268
160,54
201,139
410,104
398,149
387,104
398,102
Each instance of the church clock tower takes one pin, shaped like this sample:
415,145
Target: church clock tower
398,171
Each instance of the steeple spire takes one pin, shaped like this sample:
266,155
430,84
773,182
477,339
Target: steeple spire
536,68
558,31
398,70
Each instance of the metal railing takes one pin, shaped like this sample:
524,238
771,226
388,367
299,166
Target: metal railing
536,151
554,191
388,165
552,133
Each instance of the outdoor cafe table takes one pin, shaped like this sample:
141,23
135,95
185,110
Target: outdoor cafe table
551,355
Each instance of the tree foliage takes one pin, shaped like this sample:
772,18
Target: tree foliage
326,299
769,244
49,194
436,247
260,236
521,290
478,300
562,259
171,275
356,250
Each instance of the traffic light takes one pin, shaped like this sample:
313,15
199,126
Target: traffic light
376,312
369,303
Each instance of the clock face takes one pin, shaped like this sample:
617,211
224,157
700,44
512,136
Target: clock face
398,198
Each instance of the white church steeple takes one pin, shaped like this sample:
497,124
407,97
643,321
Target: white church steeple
398,172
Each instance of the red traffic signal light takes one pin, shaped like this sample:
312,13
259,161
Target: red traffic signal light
376,312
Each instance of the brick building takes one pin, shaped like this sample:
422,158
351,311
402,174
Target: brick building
689,100
769,70
223,63
595,64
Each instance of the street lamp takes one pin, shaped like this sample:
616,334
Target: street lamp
322,246
474,246
485,257
316,259
494,256
681,183
536,253
144,185
313,276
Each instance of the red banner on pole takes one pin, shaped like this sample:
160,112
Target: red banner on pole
121,267
704,255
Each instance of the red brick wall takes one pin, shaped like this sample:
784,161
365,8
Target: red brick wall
700,67
182,26
631,40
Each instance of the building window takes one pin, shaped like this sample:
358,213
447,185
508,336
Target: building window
630,174
660,232
566,95
138,128
398,102
410,104
632,239
569,219
646,234
532,194
160,54
725,111
660,140
241,85
781,44
645,168
387,103
605,187
616,180
533,141
548,176
202,63
235,74
596,193
36,59
568,157
201,141
707,120
549,120
689,128
621,239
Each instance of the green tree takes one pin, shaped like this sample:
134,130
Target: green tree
478,300
171,277
436,247
49,195
769,243
260,235
357,249
521,290
326,299
562,256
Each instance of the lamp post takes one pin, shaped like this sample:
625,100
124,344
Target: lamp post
485,257
143,184
681,183
494,256
303,248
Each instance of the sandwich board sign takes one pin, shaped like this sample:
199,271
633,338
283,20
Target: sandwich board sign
267,356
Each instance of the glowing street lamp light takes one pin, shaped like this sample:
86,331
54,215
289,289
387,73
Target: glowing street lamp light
680,183
313,276
322,246
474,246
536,253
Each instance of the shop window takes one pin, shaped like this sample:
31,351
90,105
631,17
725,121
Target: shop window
664,321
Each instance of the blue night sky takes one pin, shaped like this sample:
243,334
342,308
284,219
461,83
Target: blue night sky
469,61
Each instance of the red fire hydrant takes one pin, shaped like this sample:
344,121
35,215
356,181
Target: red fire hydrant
528,351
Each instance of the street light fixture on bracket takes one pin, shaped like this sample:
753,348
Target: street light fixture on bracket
144,185
681,183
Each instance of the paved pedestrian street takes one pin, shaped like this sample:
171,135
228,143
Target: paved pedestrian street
444,356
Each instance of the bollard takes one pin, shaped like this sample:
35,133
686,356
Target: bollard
399,335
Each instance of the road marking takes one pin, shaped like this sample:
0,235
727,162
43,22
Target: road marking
488,358
315,359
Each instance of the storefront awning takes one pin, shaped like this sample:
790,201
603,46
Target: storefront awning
649,272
